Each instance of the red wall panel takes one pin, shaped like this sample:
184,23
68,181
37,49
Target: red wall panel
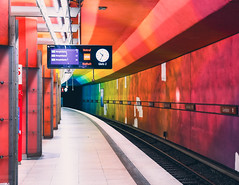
4,22
4,114
31,41
28,44
28,40
55,126
48,80
48,127
22,40
24,141
32,111
22,60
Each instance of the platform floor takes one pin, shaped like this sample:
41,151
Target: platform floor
80,153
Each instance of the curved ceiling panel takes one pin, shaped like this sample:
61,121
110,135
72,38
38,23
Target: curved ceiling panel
119,20
160,26
88,20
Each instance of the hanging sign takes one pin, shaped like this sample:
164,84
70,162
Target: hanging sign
79,57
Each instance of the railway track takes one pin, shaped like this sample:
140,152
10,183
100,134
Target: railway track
182,165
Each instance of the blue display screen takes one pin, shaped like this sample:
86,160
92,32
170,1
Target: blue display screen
79,57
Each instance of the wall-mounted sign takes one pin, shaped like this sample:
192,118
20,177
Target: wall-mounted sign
138,103
151,104
167,105
229,110
190,107
20,74
102,97
79,57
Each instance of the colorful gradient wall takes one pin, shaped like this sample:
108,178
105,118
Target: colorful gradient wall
207,77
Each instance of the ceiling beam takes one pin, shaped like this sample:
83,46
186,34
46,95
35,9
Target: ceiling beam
49,41
57,28
67,19
32,11
43,11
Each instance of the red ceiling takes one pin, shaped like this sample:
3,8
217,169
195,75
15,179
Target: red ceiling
115,24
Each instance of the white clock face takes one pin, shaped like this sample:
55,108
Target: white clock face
102,55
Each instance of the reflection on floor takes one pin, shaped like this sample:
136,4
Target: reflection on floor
78,154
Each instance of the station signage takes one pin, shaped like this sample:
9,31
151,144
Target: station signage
167,105
79,57
190,107
151,104
229,110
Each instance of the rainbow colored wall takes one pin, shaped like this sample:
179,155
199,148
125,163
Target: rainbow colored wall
207,77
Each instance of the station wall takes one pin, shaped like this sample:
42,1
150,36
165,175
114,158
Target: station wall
4,22
207,77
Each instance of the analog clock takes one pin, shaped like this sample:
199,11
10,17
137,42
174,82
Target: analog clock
102,55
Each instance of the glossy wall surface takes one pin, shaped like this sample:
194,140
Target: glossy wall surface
4,22
55,88
30,111
34,124
4,115
47,103
8,116
207,77
4,93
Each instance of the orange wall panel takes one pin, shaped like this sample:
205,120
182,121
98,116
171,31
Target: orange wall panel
44,61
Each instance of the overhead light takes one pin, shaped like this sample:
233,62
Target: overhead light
102,7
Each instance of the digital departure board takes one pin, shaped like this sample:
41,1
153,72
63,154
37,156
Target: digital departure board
67,56
79,57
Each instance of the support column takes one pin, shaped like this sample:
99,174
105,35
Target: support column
31,87
47,103
55,125
34,91
58,97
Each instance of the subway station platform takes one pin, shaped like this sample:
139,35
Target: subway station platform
85,150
